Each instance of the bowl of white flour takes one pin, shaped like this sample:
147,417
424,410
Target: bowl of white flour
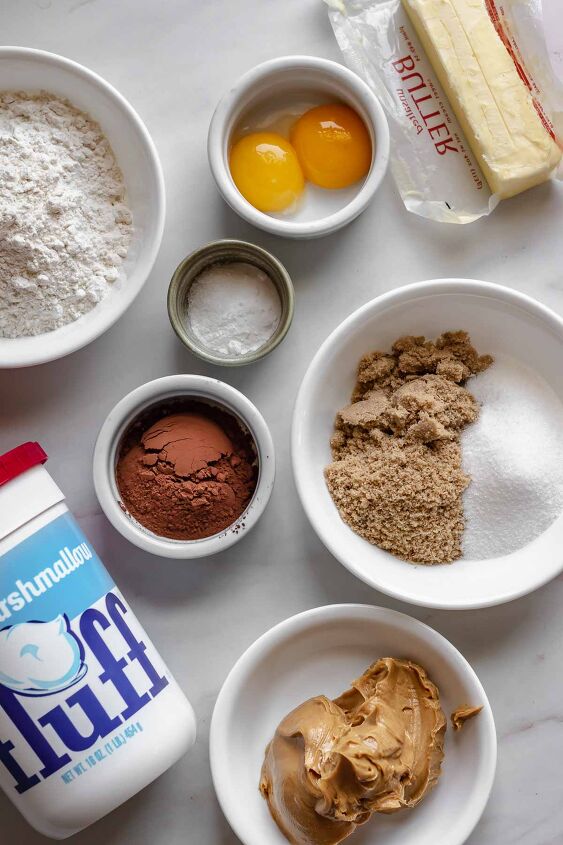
82,206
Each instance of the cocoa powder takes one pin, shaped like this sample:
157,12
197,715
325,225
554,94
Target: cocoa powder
186,470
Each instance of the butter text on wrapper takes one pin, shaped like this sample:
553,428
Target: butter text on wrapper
425,104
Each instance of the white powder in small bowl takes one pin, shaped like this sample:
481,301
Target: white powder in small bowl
233,308
514,455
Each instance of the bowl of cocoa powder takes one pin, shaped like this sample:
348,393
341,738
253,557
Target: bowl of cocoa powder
184,466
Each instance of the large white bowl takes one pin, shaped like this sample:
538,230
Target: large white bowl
322,651
34,70
500,321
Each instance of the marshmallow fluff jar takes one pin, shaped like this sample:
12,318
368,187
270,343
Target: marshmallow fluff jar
164,392
89,712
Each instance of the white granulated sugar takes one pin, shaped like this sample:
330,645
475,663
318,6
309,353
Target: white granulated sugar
514,454
64,225
234,308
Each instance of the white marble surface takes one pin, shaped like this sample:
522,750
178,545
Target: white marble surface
173,60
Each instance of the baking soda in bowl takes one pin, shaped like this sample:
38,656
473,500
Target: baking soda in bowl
89,713
234,308
514,455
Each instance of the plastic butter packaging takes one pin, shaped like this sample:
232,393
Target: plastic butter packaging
474,106
89,713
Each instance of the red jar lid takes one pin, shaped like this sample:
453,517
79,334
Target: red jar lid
20,459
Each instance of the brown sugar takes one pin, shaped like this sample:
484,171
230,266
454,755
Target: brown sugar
397,476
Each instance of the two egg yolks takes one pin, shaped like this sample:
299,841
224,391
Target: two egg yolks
329,146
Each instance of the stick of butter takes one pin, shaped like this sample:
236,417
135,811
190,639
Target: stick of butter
491,101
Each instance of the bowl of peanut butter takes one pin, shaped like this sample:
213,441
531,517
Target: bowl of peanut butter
352,722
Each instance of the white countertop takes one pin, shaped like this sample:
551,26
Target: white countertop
173,60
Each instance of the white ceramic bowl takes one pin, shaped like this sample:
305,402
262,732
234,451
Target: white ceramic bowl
35,70
500,321
308,78
322,651
108,442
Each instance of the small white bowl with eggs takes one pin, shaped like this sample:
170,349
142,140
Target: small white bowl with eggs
276,93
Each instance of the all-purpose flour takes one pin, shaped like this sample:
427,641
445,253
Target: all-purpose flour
64,225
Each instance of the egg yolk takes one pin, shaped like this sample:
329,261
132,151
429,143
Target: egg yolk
266,170
333,146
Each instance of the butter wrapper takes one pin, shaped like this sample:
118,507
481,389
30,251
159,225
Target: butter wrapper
435,169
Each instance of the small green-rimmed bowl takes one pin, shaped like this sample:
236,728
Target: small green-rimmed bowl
220,252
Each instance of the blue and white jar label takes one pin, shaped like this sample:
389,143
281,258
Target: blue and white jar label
54,568
76,668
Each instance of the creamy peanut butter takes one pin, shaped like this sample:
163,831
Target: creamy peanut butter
460,716
375,749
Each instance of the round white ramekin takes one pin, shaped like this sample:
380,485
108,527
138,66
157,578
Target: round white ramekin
294,74
35,70
319,652
500,321
107,445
